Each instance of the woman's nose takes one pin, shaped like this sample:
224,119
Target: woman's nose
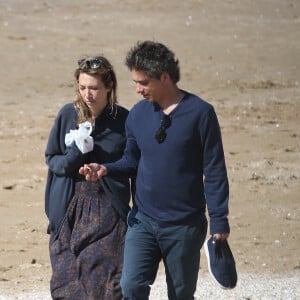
87,92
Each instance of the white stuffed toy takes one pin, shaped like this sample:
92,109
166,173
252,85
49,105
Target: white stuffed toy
81,136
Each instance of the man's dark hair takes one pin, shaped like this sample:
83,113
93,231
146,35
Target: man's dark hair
154,59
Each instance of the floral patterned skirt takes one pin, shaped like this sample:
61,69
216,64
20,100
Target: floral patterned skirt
87,255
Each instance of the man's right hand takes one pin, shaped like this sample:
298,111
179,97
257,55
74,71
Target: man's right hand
92,171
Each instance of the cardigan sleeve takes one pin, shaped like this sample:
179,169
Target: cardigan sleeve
62,160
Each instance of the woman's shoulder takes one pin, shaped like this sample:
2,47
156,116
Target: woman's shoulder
67,109
122,112
121,109
67,115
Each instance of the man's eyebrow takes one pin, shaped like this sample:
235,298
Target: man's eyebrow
141,81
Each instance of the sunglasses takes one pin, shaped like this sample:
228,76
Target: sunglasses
161,134
94,63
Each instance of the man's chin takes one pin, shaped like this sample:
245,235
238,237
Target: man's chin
148,98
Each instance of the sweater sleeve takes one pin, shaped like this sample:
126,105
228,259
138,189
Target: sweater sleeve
62,160
127,165
215,174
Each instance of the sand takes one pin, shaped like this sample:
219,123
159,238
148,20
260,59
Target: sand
242,56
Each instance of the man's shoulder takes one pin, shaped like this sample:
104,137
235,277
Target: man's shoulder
197,104
142,105
198,101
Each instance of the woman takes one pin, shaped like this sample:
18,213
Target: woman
87,220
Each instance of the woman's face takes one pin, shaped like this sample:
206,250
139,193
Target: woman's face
93,92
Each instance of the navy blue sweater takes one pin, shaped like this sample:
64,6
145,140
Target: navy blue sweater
64,162
177,178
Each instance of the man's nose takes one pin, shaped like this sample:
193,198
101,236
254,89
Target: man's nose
138,88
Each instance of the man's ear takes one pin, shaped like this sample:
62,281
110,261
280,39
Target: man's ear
165,77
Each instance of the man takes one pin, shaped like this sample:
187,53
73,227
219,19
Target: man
174,148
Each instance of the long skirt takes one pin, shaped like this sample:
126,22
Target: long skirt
87,255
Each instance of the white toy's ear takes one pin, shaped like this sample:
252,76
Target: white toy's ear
70,137
86,127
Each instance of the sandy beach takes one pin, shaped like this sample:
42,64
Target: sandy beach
242,56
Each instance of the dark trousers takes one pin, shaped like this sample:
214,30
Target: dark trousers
147,242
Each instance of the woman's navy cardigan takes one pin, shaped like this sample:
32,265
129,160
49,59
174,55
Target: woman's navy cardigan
64,162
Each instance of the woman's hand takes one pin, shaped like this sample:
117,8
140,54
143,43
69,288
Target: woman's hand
93,171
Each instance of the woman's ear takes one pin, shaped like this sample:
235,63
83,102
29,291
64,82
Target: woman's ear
111,86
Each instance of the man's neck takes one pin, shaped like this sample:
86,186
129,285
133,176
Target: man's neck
171,100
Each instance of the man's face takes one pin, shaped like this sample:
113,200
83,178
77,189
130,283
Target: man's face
149,87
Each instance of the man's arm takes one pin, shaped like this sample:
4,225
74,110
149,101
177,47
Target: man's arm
215,175
126,166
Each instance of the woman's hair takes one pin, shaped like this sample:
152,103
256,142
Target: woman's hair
101,67
154,59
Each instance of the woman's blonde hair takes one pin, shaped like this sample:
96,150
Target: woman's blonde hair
99,66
